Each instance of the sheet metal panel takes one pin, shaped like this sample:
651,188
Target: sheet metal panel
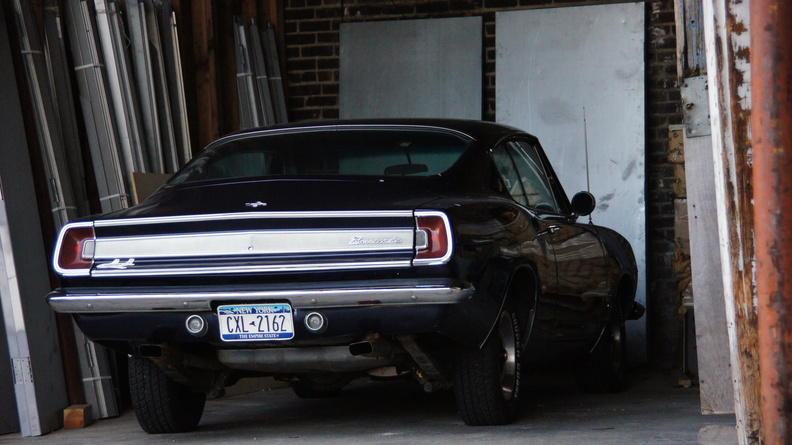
246,87
122,91
51,143
553,63
144,80
47,128
162,97
175,78
62,92
274,74
266,110
412,68
29,324
97,109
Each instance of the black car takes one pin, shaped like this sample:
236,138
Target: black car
442,250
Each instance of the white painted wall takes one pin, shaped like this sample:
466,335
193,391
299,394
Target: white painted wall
553,63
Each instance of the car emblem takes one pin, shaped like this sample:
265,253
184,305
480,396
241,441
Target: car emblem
357,240
256,204
117,264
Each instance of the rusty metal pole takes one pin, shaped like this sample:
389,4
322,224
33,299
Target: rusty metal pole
771,74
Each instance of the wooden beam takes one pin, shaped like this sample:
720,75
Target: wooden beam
226,57
712,338
205,71
728,69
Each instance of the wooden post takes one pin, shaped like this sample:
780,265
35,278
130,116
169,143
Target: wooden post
205,71
728,68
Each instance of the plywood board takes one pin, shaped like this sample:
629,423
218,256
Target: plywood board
411,68
145,184
554,63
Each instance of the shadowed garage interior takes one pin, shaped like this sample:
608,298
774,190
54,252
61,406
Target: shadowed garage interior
649,105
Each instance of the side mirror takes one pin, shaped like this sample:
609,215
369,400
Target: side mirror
583,203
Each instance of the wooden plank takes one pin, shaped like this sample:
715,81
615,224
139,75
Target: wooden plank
203,39
77,416
712,339
226,77
694,37
729,70
679,19
690,50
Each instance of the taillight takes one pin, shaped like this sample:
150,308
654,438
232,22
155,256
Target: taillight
75,249
433,243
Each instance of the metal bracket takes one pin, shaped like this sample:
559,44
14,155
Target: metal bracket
426,363
22,372
695,106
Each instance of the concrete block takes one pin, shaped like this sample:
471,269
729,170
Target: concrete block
718,435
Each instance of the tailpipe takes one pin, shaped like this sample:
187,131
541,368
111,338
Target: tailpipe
372,347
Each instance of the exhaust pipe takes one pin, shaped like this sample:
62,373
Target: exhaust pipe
375,347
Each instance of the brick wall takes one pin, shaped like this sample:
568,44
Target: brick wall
312,64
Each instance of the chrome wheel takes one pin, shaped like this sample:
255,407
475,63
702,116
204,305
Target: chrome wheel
508,374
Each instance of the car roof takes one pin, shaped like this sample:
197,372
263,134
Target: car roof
481,131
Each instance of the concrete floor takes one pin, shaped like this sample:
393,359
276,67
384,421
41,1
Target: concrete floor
651,411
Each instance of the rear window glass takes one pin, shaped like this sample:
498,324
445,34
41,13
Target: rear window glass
375,152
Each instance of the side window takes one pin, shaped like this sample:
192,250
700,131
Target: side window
537,187
508,171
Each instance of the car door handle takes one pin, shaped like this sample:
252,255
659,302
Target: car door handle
550,230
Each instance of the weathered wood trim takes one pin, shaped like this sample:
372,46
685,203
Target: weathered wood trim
728,67
712,340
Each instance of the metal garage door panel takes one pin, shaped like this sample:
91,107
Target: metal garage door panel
411,68
551,63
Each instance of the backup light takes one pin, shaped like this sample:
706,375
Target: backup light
315,322
196,325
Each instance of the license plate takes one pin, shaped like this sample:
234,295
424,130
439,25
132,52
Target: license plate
255,322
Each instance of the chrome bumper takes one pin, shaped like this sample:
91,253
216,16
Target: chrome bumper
112,302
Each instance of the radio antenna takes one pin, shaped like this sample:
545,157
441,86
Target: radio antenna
585,145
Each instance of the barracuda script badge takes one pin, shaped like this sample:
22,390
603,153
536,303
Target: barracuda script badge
359,240
256,204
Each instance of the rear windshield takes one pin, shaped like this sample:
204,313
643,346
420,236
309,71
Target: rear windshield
375,152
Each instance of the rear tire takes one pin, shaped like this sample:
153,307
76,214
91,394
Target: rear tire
487,380
161,404
605,370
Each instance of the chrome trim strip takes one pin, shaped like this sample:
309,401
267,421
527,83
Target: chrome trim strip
299,299
241,243
251,215
58,245
247,269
